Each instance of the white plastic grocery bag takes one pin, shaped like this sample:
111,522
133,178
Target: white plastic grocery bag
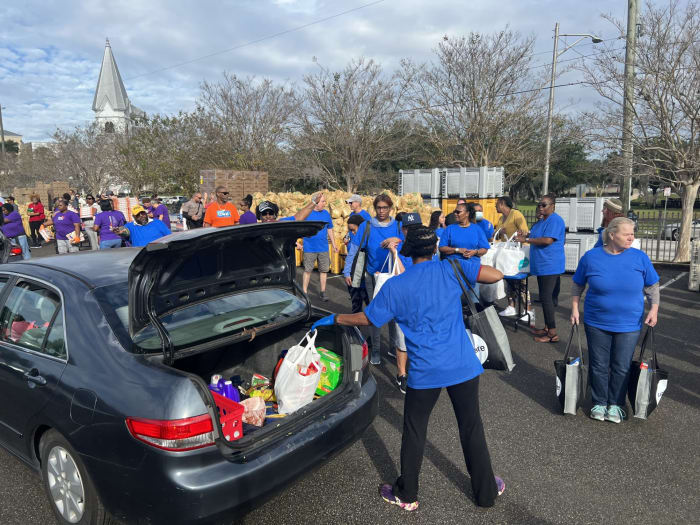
491,293
298,376
381,277
511,259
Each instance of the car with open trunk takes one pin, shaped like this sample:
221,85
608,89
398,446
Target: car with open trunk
106,357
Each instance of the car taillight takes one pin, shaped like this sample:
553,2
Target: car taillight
365,354
173,434
16,250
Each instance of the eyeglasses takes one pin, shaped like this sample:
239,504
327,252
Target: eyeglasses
542,204
459,212
382,208
223,192
262,214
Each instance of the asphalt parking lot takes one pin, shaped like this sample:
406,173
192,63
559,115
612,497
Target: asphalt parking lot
557,468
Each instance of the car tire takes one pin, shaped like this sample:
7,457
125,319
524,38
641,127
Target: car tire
62,471
674,235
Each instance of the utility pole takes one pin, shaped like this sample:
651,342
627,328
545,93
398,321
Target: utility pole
2,138
628,107
548,150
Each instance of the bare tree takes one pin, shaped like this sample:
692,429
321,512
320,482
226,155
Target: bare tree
667,110
347,122
481,103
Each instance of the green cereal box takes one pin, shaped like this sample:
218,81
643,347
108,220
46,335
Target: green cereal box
331,371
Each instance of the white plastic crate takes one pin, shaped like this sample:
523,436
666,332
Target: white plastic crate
694,279
572,254
460,182
587,240
580,214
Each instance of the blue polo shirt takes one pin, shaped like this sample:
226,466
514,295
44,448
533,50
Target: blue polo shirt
615,297
142,235
438,347
487,228
471,238
318,243
548,260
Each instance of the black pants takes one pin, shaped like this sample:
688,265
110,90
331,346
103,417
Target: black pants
416,413
34,232
358,296
548,286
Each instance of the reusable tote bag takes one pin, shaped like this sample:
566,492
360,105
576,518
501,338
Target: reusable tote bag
487,325
648,380
359,265
511,259
571,376
381,276
298,375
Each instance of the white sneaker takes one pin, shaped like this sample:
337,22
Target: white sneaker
508,311
529,314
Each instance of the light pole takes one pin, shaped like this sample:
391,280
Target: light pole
2,138
556,54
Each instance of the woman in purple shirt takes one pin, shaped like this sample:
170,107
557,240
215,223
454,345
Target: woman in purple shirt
14,229
248,217
65,222
106,222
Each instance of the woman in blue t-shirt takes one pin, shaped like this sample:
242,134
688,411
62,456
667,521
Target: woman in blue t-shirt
441,356
547,262
618,277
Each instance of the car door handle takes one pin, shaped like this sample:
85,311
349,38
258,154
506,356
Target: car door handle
33,377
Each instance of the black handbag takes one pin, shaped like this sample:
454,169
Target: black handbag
486,324
359,265
647,381
571,376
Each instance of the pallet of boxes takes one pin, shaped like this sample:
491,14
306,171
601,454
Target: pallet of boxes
290,203
237,183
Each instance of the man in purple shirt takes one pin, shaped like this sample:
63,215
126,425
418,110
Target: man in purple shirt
14,229
160,211
65,222
106,222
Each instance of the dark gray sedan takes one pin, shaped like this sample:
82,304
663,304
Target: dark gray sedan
105,358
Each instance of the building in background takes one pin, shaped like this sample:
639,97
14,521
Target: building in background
14,137
114,112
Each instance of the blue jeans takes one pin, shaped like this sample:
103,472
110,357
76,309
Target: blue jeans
22,241
110,243
610,356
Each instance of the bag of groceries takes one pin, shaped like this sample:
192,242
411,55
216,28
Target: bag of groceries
298,375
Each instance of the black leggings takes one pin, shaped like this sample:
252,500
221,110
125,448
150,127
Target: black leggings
416,413
34,232
548,286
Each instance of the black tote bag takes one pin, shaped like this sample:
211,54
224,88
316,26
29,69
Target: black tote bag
647,381
486,324
359,265
571,376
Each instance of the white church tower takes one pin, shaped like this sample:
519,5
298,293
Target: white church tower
114,112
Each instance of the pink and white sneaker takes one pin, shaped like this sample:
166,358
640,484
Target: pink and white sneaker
386,491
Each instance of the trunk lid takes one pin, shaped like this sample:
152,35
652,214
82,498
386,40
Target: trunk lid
201,265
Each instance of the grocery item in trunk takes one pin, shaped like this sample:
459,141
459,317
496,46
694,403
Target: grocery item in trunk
230,416
331,371
259,379
298,375
254,411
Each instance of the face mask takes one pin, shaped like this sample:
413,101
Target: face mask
479,215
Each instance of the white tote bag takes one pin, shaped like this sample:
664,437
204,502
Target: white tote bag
298,376
489,258
511,259
381,276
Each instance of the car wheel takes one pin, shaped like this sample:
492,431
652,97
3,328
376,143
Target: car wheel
72,495
674,235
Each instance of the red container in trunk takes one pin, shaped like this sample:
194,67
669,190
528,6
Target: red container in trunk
231,417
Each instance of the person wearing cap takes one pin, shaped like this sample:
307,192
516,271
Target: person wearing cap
106,222
221,213
268,211
316,248
612,208
355,202
441,356
381,231
65,222
140,232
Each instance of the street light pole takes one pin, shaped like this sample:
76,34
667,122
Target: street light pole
555,55
548,150
628,106
2,138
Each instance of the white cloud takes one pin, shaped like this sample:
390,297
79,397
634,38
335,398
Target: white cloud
51,52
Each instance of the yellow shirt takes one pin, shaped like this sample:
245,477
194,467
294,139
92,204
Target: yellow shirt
513,223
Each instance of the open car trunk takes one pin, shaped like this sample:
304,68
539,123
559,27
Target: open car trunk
260,356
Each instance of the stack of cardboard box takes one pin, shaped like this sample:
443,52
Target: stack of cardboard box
237,183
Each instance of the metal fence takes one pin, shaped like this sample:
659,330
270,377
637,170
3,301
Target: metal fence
656,231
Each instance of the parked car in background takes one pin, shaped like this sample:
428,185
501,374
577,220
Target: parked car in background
672,231
105,361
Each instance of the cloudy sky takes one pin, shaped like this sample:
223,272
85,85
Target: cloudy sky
50,50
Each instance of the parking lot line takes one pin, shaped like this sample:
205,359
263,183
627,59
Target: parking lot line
679,276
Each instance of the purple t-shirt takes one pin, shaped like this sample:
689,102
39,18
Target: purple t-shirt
14,227
108,220
159,210
248,218
64,222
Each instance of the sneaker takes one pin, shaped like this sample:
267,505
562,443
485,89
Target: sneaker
508,311
386,491
323,297
528,315
401,383
598,413
501,485
614,414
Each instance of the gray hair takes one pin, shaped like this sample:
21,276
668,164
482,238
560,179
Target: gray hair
614,226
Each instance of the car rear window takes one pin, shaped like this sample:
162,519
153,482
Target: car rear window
205,321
